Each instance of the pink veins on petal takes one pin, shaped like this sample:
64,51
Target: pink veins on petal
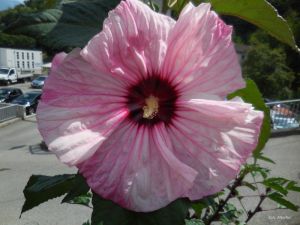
141,112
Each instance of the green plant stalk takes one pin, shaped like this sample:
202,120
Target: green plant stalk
241,203
257,208
232,189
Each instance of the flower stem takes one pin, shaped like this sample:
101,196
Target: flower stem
250,196
232,189
244,208
255,183
257,208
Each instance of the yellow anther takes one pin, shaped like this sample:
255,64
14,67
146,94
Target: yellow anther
151,107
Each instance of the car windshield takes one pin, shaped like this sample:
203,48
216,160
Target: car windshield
27,97
4,91
40,78
5,71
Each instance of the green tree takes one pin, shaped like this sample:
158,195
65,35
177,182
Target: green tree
16,41
267,67
248,34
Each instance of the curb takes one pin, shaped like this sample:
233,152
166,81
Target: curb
29,116
284,132
274,133
8,122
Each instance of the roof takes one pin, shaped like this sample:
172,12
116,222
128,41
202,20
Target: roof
47,65
32,50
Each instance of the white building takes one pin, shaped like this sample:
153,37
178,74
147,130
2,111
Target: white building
23,60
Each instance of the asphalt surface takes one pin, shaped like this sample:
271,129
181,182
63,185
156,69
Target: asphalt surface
20,157
285,151
23,86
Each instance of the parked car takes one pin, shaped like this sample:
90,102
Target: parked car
38,82
19,64
29,101
283,120
7,95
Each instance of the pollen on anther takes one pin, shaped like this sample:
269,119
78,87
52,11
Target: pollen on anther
150,110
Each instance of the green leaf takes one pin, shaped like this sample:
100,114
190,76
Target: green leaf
277,197
206,202
194,222
40,189
260,13
240,223
257,169
84,199
210,201
171,3
292,186
87,223
264,158
247,184
176,6
153,5
109,213
276,187
230,214
71,25
277,180
80,188
252,95
198,206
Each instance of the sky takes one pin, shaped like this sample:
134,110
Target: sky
4,4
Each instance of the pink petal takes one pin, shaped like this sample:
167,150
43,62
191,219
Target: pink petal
79,109
201,55
136,168
215,138
132,43
57,60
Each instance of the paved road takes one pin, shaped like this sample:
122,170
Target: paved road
23,86
20,157
285,151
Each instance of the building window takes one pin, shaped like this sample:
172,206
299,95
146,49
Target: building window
28,65
18,64
32,56
23,64
22,55
18,55
27,55
32,64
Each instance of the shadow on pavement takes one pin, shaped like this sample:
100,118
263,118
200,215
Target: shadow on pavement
38,149
17,147
4,169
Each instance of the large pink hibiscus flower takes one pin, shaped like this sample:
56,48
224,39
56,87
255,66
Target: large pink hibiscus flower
141,110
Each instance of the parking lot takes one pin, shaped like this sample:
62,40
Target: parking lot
20,157
23,86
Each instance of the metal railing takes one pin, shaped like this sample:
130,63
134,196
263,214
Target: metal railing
9,111
285,114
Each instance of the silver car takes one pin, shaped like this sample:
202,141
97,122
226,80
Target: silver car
38,82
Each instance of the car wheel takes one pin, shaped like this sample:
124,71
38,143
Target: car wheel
30,111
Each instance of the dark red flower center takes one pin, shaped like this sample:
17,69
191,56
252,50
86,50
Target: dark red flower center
151,101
